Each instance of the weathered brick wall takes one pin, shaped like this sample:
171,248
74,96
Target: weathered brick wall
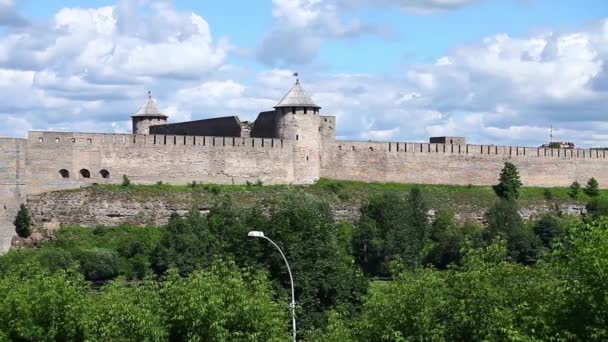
152,158
459,164
12,186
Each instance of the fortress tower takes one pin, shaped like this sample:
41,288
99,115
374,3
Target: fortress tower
148,115
298,120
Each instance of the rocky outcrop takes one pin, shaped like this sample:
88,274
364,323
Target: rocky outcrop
88,207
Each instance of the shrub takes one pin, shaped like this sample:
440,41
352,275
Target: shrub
125,181
548,194
98,263
574,190
598,207
548,228
259,183
23,222
592,188
509,184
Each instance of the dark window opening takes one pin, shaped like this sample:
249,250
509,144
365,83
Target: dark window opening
305,110
451,142
84,173
293,110
371,148
297,137
104,174
64,173
306,158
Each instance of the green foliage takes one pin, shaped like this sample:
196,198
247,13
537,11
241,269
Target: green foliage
487,299
448,239
548,194
598,207
325,278
126,182
98,263
592,189
223,304
509,184
582,261
23,222
392,228
37,305
574,190
504,221
125,312
549,228
132,246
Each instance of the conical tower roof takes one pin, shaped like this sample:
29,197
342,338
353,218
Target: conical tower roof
297,97
149,109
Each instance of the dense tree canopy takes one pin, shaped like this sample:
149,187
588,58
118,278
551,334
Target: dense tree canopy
399,274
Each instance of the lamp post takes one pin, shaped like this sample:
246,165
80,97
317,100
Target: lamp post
257,234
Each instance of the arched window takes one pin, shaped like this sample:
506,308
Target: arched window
57,140
84,173
64,173
104,174
89,141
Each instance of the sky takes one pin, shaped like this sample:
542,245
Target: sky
494,71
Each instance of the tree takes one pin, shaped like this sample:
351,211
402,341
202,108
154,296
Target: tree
223,303
548,228
509,183
23,222
504,220
598,207
592,188
574,190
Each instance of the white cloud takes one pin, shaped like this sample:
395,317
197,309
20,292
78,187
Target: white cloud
9,16
300,28
89,69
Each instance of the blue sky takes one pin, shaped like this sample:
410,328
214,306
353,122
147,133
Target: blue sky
497,71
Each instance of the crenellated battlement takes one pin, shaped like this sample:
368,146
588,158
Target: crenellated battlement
471,150
72,139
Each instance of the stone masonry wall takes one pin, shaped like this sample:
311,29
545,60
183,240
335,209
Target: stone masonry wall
12,186
459,164
147,159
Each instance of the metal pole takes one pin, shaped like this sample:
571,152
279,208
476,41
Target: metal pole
293,293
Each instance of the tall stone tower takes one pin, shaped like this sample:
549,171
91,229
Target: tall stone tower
148,115
298,121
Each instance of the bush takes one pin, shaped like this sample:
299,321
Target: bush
23,222
548,228
125,181
592,189
598,207
98,263
574,190
548,194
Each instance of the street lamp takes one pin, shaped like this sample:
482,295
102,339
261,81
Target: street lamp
257,234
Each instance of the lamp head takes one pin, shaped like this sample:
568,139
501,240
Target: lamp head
255,234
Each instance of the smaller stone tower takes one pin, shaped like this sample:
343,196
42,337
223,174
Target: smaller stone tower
148,115
299,121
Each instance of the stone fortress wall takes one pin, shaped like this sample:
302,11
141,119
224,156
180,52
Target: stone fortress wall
423,163
58,161
12,186
300,148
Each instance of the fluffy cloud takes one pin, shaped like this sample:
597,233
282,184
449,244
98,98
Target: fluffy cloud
90,68
9,16
90,65
300,28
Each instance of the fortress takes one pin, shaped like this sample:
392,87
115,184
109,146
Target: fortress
292,144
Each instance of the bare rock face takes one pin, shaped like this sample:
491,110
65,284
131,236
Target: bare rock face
34,240
51,211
